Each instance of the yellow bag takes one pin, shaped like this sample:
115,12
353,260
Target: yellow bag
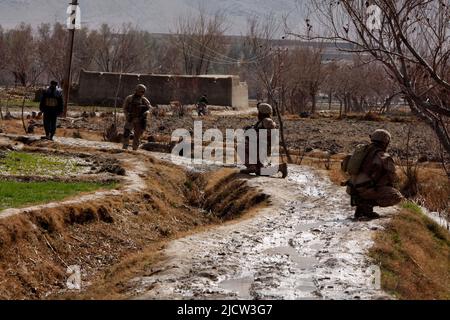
51,102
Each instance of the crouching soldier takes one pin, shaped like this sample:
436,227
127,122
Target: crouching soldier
264,122
136,108
373,175
52,106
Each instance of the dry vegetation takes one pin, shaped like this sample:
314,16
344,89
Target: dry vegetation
112,238
413,253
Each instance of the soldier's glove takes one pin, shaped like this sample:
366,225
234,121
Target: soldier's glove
144,108
144,123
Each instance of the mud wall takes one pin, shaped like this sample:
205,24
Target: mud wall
96,88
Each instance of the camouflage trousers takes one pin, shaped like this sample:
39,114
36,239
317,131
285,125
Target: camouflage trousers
381,196
138,127
264,162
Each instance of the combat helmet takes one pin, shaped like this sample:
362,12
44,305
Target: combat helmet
381,135
141,87
265,108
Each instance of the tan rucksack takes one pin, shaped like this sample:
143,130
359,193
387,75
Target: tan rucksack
352,164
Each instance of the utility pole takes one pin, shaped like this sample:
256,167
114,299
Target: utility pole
67,80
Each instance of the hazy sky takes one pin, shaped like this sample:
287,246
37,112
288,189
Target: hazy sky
151,15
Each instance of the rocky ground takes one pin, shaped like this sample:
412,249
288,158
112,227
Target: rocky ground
324,133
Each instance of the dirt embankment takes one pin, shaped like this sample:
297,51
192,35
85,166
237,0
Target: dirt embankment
413,253
156,202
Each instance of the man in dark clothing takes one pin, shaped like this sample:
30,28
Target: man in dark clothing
51,106
202,105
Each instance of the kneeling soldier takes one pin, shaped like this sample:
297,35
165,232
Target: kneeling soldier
373,176
265,122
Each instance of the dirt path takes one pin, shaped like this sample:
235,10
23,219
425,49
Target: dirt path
303,246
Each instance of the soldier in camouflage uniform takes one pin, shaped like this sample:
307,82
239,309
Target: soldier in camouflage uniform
264,122
136,108
374,184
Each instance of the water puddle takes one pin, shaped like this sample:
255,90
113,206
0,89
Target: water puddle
301,262
240,286
308,226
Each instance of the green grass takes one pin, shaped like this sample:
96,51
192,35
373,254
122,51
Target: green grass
411,206
25,164
15,103
15,194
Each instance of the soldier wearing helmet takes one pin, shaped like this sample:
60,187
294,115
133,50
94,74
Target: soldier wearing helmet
264,122
372,183
136,108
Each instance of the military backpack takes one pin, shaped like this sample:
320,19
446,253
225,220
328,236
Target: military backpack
352,164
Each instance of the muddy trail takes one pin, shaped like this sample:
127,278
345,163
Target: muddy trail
303,246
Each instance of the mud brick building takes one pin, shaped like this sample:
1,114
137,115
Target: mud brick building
99,88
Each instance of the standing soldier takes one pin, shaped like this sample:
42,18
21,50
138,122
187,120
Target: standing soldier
264,122
51,106
373,175
135,108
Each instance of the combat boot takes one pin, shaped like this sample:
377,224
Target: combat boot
247,171
359,212
283,168
370,214
365,212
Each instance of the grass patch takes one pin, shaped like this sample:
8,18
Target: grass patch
15,194
413,253
25,164
411,206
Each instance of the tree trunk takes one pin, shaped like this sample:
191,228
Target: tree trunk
437,126
313,103
330,99
280,120
346,104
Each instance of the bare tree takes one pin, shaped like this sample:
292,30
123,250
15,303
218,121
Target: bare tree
84,51
162,55
117,50
200,40
51,44
21,55
3,61
306,75
410,38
